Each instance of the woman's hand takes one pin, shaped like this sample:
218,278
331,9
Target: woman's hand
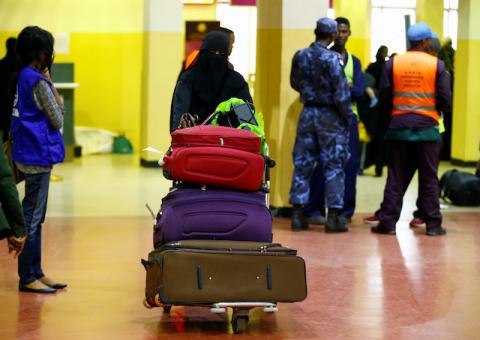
46,73
188,120
16,244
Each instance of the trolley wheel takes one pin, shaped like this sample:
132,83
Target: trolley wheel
240,320
239,324
167,309
146,304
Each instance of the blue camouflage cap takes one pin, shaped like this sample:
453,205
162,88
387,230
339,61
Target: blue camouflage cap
419,31
326,26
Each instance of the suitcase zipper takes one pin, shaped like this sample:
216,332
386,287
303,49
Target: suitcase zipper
222,143
177,246
228,251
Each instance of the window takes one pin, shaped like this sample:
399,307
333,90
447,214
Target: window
450,20
388,24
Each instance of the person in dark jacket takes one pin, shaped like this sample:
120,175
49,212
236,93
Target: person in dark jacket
376,68
352,67
12,222
37,145
9,67
447,54
322,130
207,83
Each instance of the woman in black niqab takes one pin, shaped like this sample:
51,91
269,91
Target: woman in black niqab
210,81
212,66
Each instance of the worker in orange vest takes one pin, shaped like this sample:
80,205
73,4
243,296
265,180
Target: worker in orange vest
414,89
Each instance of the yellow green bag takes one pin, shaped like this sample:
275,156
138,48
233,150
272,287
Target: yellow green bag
237,113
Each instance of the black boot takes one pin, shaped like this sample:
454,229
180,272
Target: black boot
299,222
381,229
437,231
335,223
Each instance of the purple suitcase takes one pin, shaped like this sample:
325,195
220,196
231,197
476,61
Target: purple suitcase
213,214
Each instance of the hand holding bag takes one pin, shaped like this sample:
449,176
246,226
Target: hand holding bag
18,176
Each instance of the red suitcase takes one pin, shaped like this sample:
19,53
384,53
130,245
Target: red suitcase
208,135
217,156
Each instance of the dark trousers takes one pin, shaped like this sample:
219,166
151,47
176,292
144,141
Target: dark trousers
316,202
418,213
34,208
404,158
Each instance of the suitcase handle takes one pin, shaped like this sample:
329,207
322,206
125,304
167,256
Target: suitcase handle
269,163
199,277
146,264
269,277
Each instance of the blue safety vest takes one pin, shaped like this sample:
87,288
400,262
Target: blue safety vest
35,140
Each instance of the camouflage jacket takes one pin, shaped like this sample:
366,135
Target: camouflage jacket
317,74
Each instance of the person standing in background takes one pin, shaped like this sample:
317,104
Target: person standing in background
12,222
208,82
37,145
415,90
376,68
322,131
447,54
9,67
352,68
417,221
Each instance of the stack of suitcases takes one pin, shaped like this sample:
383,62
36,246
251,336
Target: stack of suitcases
213,233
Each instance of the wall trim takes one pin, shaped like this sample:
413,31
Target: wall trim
149,164
458,162
281,212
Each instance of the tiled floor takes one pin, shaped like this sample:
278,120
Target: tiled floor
361,285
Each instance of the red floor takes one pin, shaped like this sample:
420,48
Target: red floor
361,286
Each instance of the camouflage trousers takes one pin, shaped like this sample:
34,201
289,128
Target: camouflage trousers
321,136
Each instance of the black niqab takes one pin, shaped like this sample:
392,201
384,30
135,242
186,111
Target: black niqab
212,66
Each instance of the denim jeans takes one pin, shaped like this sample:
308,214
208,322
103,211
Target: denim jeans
34,208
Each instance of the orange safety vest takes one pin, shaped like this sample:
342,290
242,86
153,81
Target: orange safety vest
414,75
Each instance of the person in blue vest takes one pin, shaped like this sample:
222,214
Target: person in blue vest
352,67
37,145
322,131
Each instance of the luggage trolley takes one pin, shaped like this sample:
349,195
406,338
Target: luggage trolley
240,310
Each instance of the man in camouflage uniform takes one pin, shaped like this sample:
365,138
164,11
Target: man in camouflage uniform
322,132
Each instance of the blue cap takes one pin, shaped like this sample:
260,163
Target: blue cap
326,26
434,35
419,31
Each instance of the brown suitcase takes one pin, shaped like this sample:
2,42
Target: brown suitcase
201,272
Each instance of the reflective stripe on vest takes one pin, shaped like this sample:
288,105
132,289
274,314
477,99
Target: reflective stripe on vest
414,75
348,70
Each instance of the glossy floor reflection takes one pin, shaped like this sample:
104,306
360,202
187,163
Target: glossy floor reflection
361,286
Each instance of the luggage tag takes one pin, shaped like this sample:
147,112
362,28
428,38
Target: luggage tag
150,149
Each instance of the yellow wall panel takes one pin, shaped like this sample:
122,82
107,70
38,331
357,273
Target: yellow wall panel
466,123
278,101
72,15
199,13
358,13
431,12
360,47
161,69
108,69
